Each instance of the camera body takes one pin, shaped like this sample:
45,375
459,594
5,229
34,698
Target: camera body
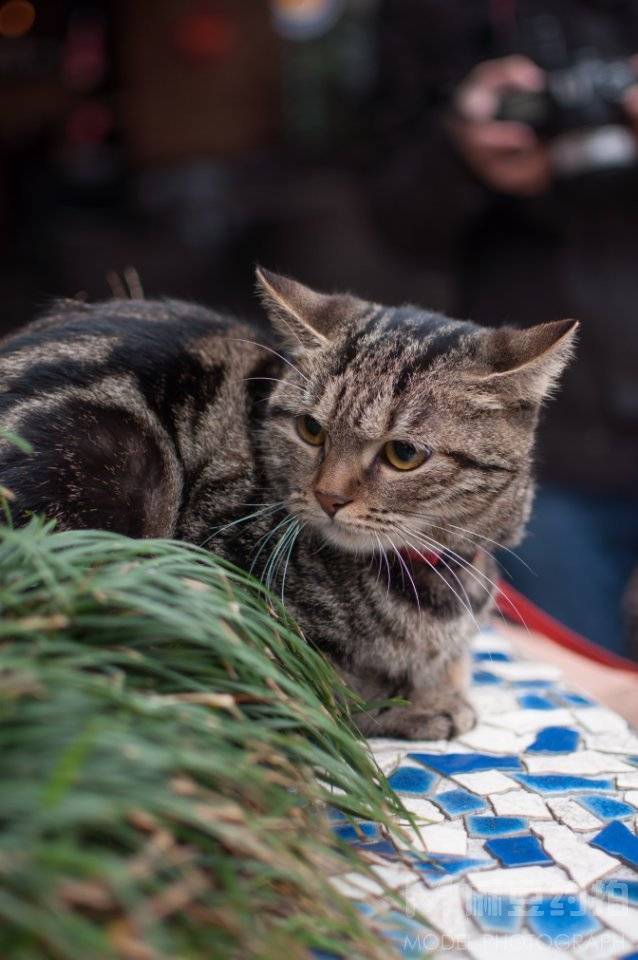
587,94
580,113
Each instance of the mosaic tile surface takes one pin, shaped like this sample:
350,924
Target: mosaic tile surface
527,840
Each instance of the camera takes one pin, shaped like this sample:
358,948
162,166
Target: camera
588,94
580,112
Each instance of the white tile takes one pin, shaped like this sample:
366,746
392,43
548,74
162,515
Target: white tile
520,946
527,721
525,670
356,885
422,809
491,640
490,701
486,782
618,916
412,839
395,876
632,797
522,881
443,908
489,739
389,743
573,815
623,743
581,762
584,864
628,780
387,761
387,750
435,746
600,720
475,847
520,803
605,945
444,838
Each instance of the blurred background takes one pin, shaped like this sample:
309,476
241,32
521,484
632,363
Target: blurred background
187,139
474,156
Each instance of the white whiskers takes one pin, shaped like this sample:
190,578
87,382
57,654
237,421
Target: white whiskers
470,568
274,353
264,511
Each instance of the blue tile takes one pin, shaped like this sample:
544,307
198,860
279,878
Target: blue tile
456,802
335,816
410,938
411,780
538,684
448,764
365,908
493,656
576,700
518,851
432,873
616,840
553,783
454,864
633,760
534,701
555,740
607,808
365,830
411,944
484,678
478,826
623,889
497,914
385,848
442,866
630,956
561,917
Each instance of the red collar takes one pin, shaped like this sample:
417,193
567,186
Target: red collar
427,558
431,558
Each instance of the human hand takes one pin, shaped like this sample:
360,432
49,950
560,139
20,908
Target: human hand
630,99
507,156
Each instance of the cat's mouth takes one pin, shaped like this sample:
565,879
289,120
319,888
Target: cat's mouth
359,536
349,534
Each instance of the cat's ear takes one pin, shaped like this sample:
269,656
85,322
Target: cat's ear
527,363
305,319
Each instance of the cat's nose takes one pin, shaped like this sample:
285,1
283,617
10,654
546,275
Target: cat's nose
331,502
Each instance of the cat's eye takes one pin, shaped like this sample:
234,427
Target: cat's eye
404,456
310,430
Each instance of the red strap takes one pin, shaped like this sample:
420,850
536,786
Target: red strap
418,558
518,609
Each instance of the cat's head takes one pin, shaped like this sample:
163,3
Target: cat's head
399,427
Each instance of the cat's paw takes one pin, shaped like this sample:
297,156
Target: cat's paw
441,724
448,716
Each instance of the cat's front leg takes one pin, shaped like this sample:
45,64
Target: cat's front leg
435,712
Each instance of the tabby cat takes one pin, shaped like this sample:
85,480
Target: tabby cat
364,462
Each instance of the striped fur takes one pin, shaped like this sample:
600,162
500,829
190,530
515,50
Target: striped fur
165,419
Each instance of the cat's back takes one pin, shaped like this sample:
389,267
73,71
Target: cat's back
76,344
119,402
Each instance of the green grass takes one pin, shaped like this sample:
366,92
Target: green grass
167,745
